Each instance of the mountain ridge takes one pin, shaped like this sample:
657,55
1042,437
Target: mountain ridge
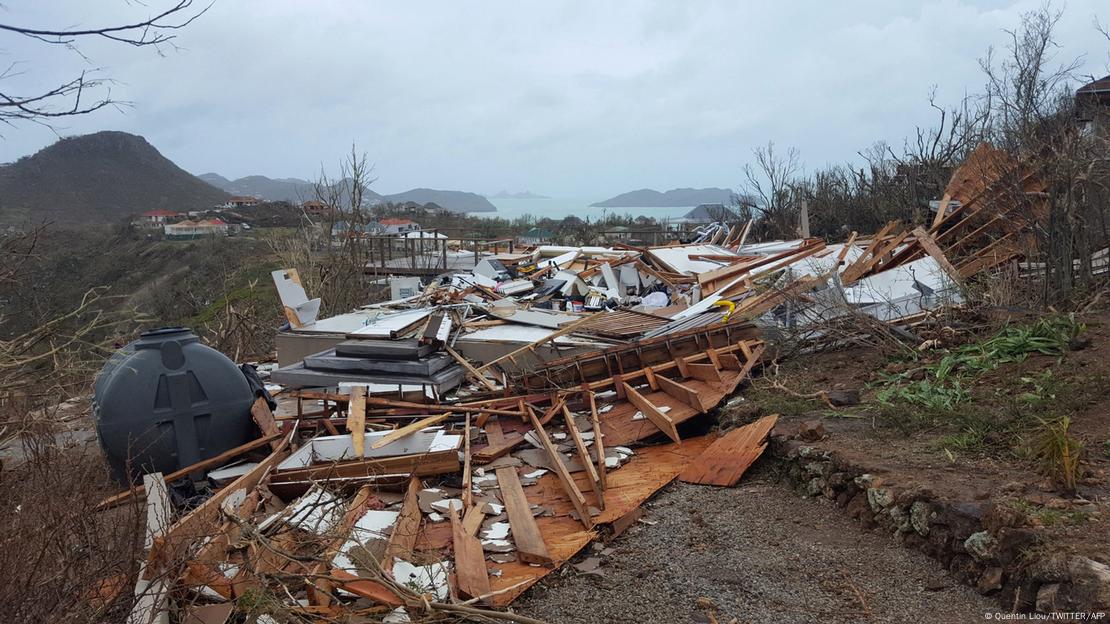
674,198
97,177
295,190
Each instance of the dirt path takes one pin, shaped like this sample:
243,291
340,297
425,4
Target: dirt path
756,553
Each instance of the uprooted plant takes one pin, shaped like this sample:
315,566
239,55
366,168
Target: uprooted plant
1058,452
943,384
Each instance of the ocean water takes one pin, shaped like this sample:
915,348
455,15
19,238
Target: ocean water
556,208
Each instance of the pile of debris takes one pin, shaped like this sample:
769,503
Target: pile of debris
450,448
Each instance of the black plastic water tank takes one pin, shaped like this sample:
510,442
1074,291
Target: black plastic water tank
166,401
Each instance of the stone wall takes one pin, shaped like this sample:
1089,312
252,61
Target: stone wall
986,545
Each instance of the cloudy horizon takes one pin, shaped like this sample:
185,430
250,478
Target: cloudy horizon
567,99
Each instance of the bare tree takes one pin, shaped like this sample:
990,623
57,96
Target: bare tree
332,255
1034,117
87,91
773,183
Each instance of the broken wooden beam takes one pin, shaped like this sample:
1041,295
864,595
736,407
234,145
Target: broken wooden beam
356,420
653,413
530,546
560,470
409,429
592,478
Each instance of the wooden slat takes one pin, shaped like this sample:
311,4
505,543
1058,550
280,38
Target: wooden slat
653,413
468,476
530,546
493,451
409,429
212,462
356,420
472,520
402,539
599,443
592,478
725,461
575,495
930,246
682,392
471,576
264,418
473,372
704,372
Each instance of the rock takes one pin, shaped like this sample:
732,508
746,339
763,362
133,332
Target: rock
1079,343
990,580
815,486
900,518
1047,597
705,604
811,431
981,545
879,498
963,568
1012,544
857,505
589,565
921,515
843,398
1090,584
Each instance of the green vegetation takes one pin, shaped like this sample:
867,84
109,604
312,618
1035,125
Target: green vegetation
1047,517
1009,417
1058,452
943,385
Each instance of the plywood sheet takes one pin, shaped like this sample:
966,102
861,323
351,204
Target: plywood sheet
725,461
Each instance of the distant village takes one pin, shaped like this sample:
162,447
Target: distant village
398,221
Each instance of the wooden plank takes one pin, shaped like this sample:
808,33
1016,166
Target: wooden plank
402,539
592,478
493,451
530,546
683,370
356,420
213,462
731,362
473,372
468,476
409,429
264,418
704,372
575,495
930,246
199,522
725,461
472,520
471,576
682,392
599,442
653,413
152,587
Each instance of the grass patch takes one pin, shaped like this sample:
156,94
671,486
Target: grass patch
943,385
940,394
1046,517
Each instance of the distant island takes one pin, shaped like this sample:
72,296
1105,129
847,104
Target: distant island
520,195
649,198
295,190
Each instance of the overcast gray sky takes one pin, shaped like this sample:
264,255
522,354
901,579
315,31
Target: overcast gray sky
571,99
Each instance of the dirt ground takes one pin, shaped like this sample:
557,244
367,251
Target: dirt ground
754,553
910,447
